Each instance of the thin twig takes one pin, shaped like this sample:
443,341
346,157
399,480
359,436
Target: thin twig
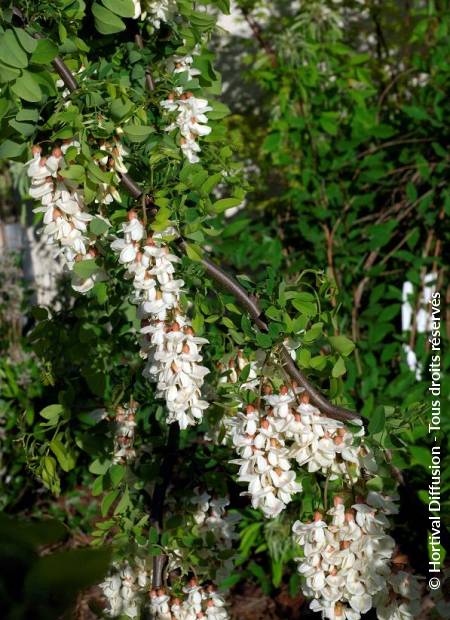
257,33
148,73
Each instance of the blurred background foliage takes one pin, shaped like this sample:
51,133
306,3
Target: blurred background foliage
340,114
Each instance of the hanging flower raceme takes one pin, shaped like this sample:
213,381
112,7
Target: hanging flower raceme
323,444
401,600
183,64
230,372
191,121
66,218
169,343
216,527
287,429
264,458
125,587
155,11
127,593
125,421
347,556
196,601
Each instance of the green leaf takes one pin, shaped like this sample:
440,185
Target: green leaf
96,174
219,110
85,268
99,467
377,420
11,52
263,340
116,473
75,173
342,344
48,474
97,487
10,149
304,304
26,41
124,503
198,323
105,21
194,251
138,133
339,368
8,74
52,411
420,456
98,226
108,500
124,8
153,535
211,183
64,455
225,203
44,53
120,107
27,88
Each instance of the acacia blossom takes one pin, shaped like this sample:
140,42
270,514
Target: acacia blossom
169,344
196,601
264,459
289,429
124,587
155,11
347,556
402,599
127,593
191,121
125,421
66,218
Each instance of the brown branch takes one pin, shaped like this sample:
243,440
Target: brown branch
229,284
148,73
257,33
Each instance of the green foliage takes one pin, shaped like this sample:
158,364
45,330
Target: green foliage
344,197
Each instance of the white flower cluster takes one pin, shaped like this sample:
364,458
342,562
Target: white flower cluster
127,589
403,599
183,64
125,421
62,203
191,119
123,588
198,602
347,555
290,428
65,219
212,518
155,11
230,374
264,462
323,444
169,342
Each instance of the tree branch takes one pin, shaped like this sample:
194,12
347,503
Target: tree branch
159,497
257,33
230,284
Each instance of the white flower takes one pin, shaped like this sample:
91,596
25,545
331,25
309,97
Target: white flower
264,464
169,344
125,424
191,121
347,555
